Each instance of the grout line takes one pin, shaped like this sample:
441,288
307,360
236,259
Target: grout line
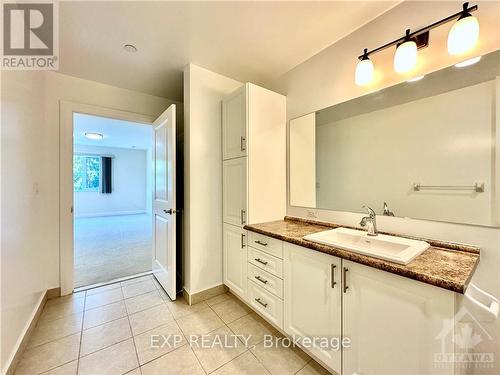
81,336
133,338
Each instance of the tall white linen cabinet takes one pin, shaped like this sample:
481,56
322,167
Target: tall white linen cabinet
254,172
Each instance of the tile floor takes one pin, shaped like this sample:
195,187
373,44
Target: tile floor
111,247
109,330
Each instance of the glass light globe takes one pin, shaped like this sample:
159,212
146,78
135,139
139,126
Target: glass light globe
405,58
463,35
364,72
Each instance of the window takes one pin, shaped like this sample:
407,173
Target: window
86,173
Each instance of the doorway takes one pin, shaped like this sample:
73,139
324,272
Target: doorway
112,189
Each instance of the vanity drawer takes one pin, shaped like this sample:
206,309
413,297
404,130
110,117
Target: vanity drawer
267,281
270,306
265,261
268,244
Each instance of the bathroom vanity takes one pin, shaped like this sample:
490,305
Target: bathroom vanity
391,314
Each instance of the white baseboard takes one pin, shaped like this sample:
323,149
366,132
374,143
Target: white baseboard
111,213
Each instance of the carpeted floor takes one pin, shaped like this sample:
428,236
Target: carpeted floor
110,247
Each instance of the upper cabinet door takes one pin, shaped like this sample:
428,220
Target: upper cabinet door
313,299
395,325
234,124
234,187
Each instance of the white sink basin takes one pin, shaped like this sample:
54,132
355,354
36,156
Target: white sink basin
394,249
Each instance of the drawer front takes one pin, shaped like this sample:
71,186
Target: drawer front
268,244
267,281
270,306
266,262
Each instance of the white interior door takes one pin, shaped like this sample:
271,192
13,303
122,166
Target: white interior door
164,208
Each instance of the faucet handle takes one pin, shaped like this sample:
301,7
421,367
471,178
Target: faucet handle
370,211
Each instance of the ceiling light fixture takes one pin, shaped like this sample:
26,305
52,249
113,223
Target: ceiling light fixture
364,70
464,33
415,79
130,48
94,136
405,58
462,38
469,62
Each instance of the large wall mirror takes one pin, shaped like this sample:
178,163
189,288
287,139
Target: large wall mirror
428,148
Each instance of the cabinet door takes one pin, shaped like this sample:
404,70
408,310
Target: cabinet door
234,191
313,299
234,124
235,259
394,323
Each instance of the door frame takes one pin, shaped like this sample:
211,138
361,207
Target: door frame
66,235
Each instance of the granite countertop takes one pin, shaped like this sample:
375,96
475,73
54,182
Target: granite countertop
445,265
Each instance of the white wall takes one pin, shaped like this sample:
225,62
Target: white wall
203,92
328,78
26,187
377,156
129,184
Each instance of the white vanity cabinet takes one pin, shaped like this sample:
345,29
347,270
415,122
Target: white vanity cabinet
313,299
253,168
234,185
394,323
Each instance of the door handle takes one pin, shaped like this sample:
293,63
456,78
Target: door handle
242,143
345,279
170,211
242,216
261,243
333,276
242,241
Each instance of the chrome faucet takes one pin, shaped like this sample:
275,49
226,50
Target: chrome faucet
370,221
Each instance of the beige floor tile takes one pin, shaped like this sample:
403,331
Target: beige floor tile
57,310
51,330
230,310
245,364
48,356
158,341
67,369
150,318
252,328
136,371
136,289
181,361
200,322
143,302
220,298
217,348
279,360
104,314
116,359
105,335
64,299
104,298
135,280
180,308
313,368
104,288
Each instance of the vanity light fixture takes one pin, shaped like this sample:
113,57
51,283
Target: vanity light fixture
465,63
405,58
462,38
415,79
94,136
364,70
464,34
